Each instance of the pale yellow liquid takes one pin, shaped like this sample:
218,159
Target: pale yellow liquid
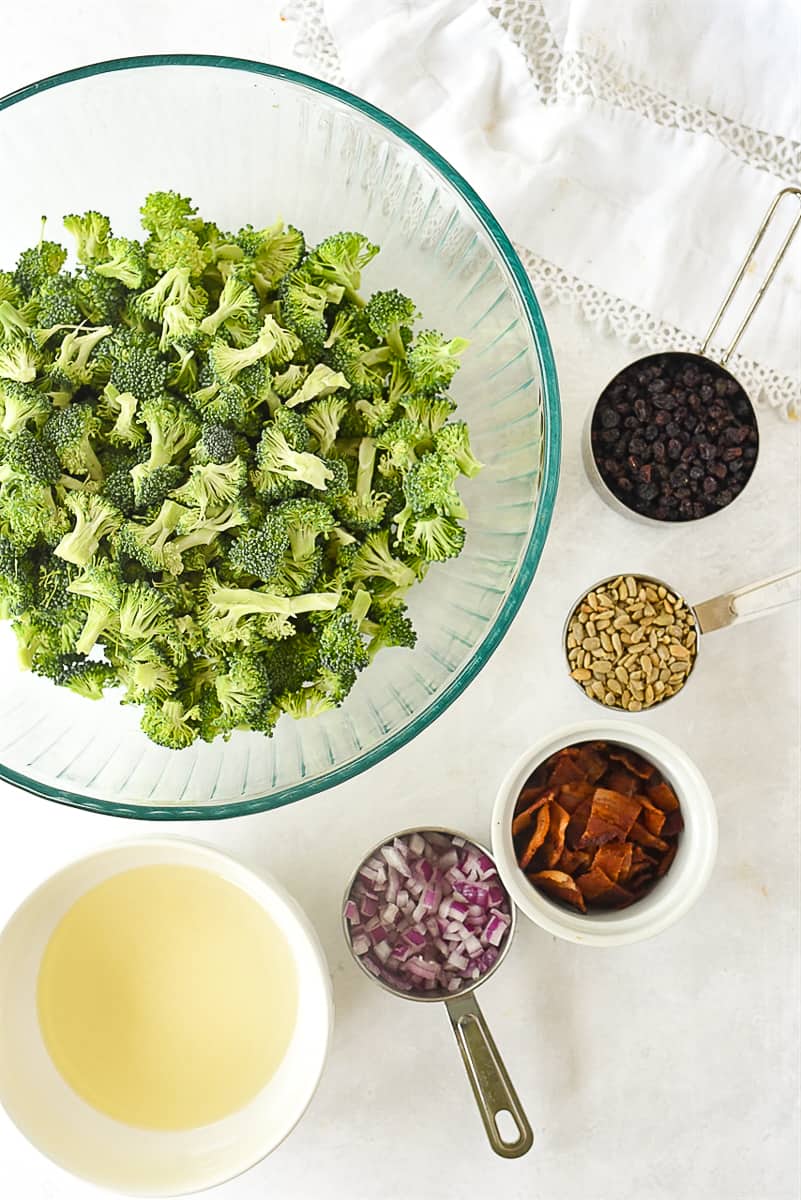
167,997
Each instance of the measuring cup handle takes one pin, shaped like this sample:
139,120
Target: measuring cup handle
491,1085
746,603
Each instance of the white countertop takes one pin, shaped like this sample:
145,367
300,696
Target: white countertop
666,1070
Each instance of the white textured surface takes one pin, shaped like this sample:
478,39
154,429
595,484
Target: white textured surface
666,1070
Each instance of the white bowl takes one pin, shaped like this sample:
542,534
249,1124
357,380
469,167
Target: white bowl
95,1147
671,897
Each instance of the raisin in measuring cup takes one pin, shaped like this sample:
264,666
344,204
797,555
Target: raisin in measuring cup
427,918
674,437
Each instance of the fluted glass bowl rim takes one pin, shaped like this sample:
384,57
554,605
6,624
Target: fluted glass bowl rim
550,450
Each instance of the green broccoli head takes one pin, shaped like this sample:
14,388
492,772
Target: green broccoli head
430,485
433,362
91,232
453,440
343,653
31,456
58,302
70,432
390,315
169,723
95,518
340,259
126,262
37,264
219,441
276,457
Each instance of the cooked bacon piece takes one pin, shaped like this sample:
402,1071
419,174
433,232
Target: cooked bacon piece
578,824
640,834
632,762
663,796
652,818
551,850
572,794
566,770
559,885
623,781
614,859
611,817
526,817
592,762
537,837
575,861
666,860
596,887
674,823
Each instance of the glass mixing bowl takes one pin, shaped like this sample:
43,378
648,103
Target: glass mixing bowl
249,142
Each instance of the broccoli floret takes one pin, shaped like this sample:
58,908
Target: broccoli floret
180,248
402,442
28,513
238,303
430,412
306,520
150,544
431,485
74,365
390,627
32,457
101,584
69,431
259,552
19,361
89,679
454,440
164,212
126,262
374,559
146,613
17,580
390,315
173,426
151,490
323,419
433,362
9,290
213,485
118,489
219,441
243,691
303,307
34,266
13,324
434,537
95,519
288,381
58,302
271,252
293,427
135,365
100,299
363,509
343,653
276,457
91,232
169,723
229,608
322,381
364,366
273,343
340,259
146,673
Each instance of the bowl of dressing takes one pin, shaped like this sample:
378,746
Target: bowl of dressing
165,1015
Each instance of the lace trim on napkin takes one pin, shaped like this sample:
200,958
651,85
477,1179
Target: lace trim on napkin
578,74
526,23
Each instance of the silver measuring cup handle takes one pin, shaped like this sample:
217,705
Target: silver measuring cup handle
492,1087
746,603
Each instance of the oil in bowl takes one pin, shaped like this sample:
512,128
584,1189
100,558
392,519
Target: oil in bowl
167,997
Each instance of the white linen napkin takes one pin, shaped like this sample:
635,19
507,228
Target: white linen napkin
630,149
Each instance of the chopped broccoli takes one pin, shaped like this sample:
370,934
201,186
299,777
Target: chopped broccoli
95,518
91,232
219,465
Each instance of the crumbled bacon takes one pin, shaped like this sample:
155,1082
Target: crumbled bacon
596,826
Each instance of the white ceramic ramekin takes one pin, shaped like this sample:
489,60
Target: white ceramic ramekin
105,1152
672,895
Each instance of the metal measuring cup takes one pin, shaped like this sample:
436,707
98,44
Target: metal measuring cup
700,358
730,608
492,1088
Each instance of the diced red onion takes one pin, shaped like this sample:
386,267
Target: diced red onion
428,913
